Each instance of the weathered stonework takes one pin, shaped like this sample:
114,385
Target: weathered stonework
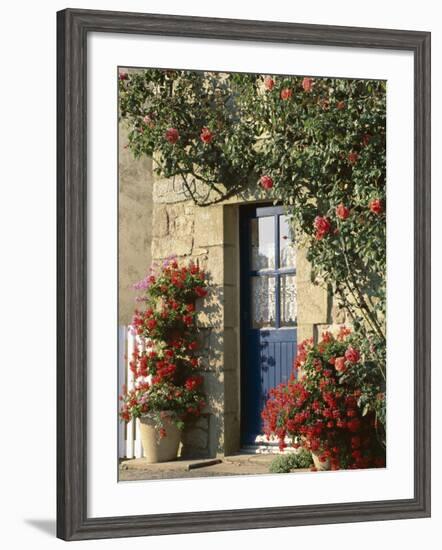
135,182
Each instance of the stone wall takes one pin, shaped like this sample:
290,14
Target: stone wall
134,224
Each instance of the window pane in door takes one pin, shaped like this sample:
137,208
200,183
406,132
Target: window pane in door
263,310
288,301
287,251
262,252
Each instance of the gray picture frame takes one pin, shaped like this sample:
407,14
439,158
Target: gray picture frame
73,27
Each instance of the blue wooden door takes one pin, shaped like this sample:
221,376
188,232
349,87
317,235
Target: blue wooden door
268,310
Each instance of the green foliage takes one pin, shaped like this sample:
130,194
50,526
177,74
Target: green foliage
285,463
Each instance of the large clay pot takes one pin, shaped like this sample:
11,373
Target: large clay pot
156,448
320,465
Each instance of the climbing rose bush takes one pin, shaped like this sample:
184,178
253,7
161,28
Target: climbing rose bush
315,145
165,365
333,404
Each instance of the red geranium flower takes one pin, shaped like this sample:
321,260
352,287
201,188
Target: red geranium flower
200,291
172,135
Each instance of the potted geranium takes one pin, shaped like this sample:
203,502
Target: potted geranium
167,389
333,404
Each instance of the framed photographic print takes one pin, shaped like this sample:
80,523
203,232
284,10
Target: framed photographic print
243,274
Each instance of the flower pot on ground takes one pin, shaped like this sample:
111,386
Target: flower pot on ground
166,392
159,445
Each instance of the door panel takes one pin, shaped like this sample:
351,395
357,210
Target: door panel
268,306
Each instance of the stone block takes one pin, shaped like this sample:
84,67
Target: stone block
231,392
230,307
213,387
312,303
304,332
230,225
214,265
232,433
210,309
231,271
209,226
160,221
166,246
167,191
195,438
230,350
183,225
303,266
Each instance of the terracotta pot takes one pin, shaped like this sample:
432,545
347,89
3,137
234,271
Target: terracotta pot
156,448
319,465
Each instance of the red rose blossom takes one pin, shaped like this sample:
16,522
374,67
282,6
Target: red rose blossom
269,83
340,364
340,105
266,182
172,135
206,136
342,211
123,76
352,355
286,93
307,84
322,226
375,206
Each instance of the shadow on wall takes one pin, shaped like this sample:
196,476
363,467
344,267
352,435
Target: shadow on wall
201,436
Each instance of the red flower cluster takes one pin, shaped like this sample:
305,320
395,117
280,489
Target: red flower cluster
322,226
318,409
164,366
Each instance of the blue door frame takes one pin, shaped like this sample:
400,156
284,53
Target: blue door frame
268,347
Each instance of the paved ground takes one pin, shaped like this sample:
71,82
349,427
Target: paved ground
240,464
